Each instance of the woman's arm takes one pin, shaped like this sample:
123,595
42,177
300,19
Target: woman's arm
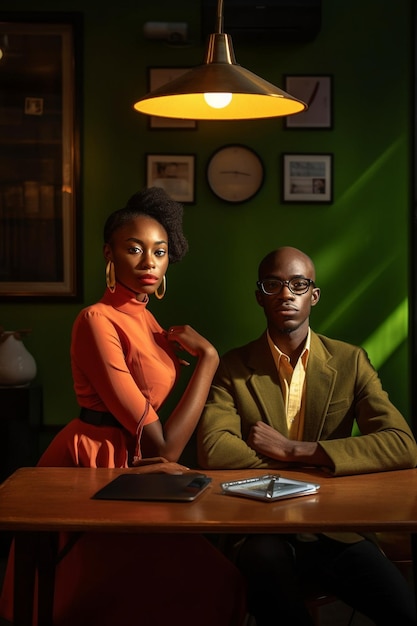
170,439
102,379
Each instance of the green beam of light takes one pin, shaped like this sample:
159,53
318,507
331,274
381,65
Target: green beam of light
388,336
334,257
361,288
386,339
374,169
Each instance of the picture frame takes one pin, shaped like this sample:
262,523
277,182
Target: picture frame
158,76
173,172
317,93
307,178
40,197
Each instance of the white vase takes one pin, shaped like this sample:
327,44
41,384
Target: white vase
17,365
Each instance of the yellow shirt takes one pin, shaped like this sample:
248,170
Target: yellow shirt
293,386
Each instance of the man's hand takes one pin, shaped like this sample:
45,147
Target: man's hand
269,442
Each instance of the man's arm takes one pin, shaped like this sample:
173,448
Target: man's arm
269,442
237,431
229,413
385,441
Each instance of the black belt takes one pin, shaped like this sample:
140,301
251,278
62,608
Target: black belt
98,418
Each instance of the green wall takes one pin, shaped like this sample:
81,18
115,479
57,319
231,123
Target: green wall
360,242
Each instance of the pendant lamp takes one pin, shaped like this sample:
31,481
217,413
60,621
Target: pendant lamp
220,89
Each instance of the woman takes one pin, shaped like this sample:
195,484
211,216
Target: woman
124,366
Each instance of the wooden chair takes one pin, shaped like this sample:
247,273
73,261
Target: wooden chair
314,600
397,547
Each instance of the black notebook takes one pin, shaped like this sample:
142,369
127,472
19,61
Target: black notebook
168,487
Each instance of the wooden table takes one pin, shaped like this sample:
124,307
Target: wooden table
37,503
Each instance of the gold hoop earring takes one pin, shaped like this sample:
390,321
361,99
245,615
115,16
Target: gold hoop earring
110,277
160,294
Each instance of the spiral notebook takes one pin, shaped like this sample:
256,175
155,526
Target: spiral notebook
269,488
165,487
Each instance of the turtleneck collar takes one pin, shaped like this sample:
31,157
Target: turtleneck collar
124,300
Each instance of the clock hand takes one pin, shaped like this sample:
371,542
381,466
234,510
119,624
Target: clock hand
235,172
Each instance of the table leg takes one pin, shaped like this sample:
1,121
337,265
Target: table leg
47,557
35,553
414,557
24,578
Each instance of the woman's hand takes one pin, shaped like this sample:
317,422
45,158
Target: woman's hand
191,341
158,465
150,460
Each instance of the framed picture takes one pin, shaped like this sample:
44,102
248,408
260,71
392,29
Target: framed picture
316,92
307,178
158,76
40,199
173,172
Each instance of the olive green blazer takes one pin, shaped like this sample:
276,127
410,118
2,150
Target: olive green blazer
341,387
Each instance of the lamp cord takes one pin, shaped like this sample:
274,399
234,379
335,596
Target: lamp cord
219,23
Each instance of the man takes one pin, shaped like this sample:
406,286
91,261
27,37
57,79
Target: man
290,398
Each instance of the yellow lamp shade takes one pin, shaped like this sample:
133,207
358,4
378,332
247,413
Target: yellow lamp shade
251,96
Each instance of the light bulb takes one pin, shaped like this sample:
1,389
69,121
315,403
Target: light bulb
218,100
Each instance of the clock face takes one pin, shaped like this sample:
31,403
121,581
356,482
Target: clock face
235,173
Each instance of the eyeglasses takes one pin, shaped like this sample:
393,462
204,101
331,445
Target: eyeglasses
274,286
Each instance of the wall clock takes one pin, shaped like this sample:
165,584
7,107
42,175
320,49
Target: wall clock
235,173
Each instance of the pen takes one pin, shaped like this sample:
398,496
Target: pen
271,485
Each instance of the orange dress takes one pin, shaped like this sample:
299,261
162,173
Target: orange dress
122,364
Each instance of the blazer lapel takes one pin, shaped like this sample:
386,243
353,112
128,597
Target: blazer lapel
264,384
320,380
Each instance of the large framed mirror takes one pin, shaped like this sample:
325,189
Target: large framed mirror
40,196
